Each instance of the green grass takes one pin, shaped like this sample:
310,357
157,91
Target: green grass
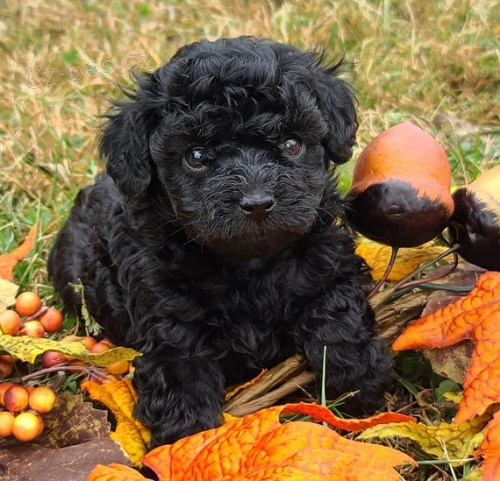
433,63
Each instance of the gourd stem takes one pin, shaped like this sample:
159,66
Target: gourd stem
394,253
452,250
381,298
433,277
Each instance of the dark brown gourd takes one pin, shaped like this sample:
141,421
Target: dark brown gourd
400,193
475,224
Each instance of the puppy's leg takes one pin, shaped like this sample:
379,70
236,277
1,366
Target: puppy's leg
177,396
356,359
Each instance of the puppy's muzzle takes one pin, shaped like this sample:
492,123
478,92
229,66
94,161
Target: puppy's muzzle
257,205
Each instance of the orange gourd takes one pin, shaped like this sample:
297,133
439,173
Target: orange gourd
400,193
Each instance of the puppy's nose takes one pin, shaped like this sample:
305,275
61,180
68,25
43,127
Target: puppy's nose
257,205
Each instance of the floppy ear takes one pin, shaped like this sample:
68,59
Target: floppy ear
337,103
125,139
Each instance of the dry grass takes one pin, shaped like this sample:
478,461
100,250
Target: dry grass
434,63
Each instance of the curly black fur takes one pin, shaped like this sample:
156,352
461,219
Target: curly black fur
214,244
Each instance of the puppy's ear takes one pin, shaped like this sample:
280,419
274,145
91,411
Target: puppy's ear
337,103
125,140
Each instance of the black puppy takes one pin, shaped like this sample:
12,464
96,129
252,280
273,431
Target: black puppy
214,244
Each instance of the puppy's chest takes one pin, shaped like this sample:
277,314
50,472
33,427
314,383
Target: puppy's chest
251,314
258,300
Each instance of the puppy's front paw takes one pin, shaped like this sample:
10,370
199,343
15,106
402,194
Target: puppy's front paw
370,377
177,397
171,429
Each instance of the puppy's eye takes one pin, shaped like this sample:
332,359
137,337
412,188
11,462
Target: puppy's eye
293,146
196,158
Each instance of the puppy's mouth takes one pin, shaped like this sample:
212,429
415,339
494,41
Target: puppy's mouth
258,233
254,244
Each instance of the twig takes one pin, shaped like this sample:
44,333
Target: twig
276,375
88,370
303,379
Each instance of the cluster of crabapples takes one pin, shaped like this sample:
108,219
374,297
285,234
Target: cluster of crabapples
22,408
118,368
28,318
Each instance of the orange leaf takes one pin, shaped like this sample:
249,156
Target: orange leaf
490,449
475,317
9,261
320,413
120,397
114,472
258,447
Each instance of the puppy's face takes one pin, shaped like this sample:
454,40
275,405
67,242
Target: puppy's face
238,134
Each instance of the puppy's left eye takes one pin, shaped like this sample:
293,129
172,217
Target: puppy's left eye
293,146
196,158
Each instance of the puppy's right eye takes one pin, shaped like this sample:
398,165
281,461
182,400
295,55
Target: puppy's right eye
196,158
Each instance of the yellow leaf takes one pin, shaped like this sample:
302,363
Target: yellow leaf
408,259
27,349
445,441
455,397
120,398
8,292
228,417
473,475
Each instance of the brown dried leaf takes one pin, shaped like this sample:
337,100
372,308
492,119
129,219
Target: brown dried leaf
31,462
451,362
73,421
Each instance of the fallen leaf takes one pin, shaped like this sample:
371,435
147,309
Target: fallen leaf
74,440
475,317
377,256
8,292
27,349
320,413
115,472
73,421
452,361
473,475
9,261
454,397
490,449
459,440
258,447
120,398
31,462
